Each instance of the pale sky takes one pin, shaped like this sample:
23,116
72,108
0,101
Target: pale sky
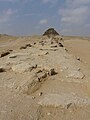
28,17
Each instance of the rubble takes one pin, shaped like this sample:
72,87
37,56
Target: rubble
43,82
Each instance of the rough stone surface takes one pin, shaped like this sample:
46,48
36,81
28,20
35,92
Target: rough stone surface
57,100
76,74
23,67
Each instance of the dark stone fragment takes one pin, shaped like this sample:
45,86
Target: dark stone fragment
2,70
28,45
9,50
53,46
34,43
52,72
61,38
69,105
23,47
60,45
4,54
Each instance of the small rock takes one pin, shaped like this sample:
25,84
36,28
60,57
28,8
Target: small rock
33,67
52,72
46,53
53,46
39,71
28,45
68,105
78,58
23,47
48,114
51,42
43,53
11,110
2,70
9,50
42,44
41,75
40,41
33,97
13,56
40,94
61,38
34,43
60,45
65,49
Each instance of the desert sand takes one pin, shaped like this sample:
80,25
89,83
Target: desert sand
44,78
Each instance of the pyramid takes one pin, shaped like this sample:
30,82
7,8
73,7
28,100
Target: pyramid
50,32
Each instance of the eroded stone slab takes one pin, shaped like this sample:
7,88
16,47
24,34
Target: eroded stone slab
76,74
56,100
23,67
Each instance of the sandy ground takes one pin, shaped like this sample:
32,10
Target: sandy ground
81,48
42,80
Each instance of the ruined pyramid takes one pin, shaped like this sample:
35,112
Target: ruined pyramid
50,32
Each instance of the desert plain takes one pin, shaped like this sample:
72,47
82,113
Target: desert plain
44,78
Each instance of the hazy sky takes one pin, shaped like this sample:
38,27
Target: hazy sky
27,17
